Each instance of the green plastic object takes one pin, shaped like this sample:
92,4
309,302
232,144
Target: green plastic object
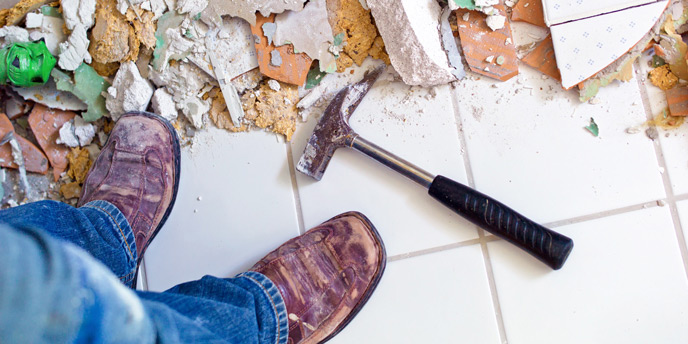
26,64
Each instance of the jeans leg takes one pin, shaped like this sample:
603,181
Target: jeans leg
54,292
98,227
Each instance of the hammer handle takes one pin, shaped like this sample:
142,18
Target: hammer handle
546,245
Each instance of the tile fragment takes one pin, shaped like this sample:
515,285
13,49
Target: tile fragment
542,58
87,86
529,11
34,160
677,98
478,42
45,124
279,63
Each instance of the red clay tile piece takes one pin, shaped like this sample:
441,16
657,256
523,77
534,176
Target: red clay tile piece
294,67
529,11
677,98
45,124
34,160
542,58
479,42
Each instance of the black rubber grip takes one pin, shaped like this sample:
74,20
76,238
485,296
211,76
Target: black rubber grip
546,245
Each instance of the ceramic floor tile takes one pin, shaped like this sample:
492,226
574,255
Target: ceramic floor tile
528,148
682,208
235,204
559,11
623,283
674,149
418,126
436,298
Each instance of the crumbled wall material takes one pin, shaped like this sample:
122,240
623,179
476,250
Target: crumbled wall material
129,91
78,12
663,78
112,38
75,50
14,15
163,104
247,9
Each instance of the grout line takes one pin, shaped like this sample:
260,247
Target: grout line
432,250
659,153
481,233
295,190
606,213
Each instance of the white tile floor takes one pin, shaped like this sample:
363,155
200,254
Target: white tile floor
522,142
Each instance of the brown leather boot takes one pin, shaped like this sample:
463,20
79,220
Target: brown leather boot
326,275
137,171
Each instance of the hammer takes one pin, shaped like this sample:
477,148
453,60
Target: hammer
333,131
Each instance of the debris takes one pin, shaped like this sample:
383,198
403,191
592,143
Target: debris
113,38
450,47
456,4
673,50
13,34
45,124
478,42
666,120
129,91
314,77
495,21
677,98
51,32
413,41
185,82
78,12
87,86
280,63
70,190
621,70
542,58
163,104
192,7
247,9
274,85
15,14
50,96
170,44
25,64
663,78
75,50
33,20
593,128
273,110
309,32
15,106
652,133
529,11
79,164
31,156
76,133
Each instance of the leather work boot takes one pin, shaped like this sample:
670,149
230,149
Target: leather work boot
137,171
326,275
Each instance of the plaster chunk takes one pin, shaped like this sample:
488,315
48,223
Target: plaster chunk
33,20
191,6
133,92
76,133
51,31
163,104
185,82
402,24
247,9
75,50
495,22
13,34
78,12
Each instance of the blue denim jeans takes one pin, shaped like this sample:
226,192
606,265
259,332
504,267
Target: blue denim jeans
53,291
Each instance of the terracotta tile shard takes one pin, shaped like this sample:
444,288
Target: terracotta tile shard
677,98
479,42
45,124
279,63
34,160
542,58
529,11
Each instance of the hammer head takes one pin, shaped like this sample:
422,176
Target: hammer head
333,130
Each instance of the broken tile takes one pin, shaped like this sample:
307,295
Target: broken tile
584,47
478,42
87,86
292,68
45,124
450,47
129,91
34,160
308,31
677,98
529,11
542,58
673,50
560,11
247,9
409,29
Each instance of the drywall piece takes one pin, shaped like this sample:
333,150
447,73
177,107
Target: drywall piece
450,47
78,12
560,11
33,20
14,15
309,31
33,158
192,7
479,42
673,50
51,31
542,58
13,34
163,104
129,91
677,98
410,31
233,44
584,47
75,50
246,9
87,86
50,96
45,124
279,63
529,11
76,133
171,44
186,83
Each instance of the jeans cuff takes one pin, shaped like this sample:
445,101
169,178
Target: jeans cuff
120,222
271,291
